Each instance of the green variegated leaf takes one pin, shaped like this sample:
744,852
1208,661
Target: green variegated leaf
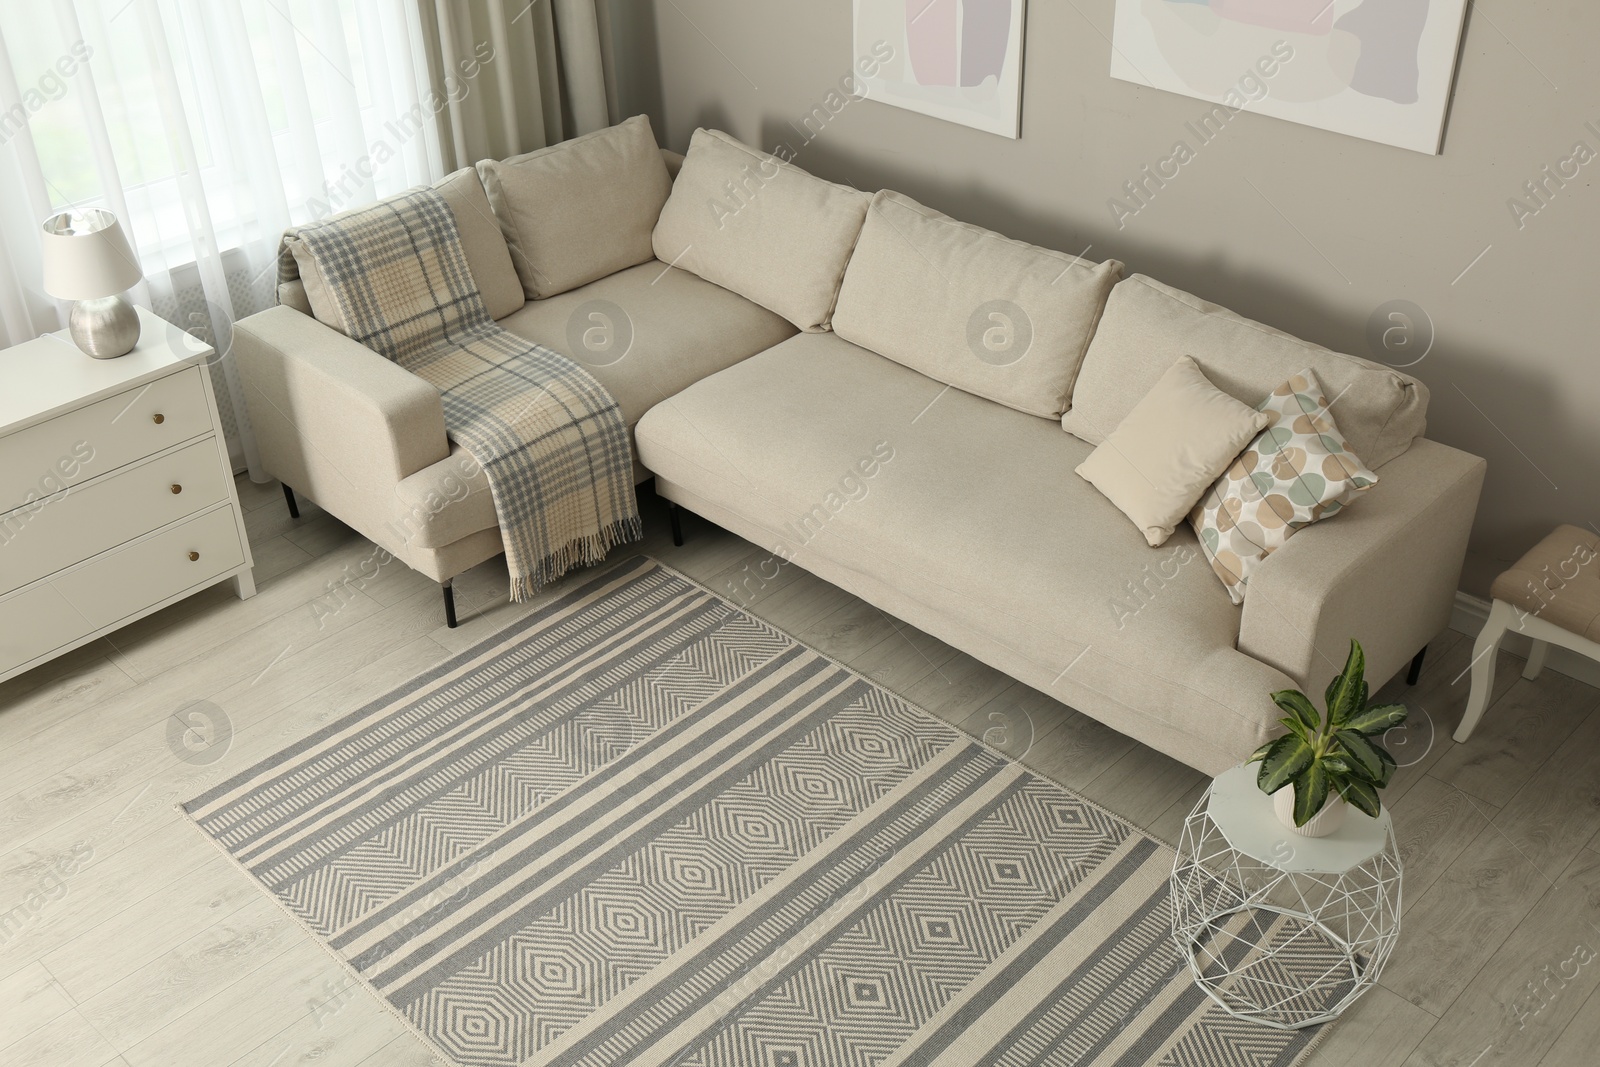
1286,757
1335,765
1368,760
1261,753
1310,793
1364,795
1389,767
1298,728
1363,757
1346,694
1377,719
1295,703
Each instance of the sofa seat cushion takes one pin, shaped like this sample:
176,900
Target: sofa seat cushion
1148,325
649,331
645,333
977,516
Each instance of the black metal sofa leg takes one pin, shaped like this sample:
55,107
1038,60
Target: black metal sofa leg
675,513
1416,667
449,605
288,498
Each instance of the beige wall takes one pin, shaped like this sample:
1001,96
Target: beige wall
1309,231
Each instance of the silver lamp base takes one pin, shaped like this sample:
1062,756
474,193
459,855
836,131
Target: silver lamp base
104,328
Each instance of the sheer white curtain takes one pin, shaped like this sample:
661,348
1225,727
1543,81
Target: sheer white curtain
207,126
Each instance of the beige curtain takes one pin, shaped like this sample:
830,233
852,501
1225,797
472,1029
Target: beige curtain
510,76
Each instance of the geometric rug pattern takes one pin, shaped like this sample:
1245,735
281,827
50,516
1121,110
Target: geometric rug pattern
642,827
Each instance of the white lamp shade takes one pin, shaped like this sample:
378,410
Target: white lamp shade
87,256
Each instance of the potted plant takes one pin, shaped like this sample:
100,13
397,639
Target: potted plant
1330,760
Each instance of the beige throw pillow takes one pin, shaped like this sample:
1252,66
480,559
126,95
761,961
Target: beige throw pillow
1170,449
762,227
582,209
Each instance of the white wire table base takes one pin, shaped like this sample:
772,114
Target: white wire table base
1269,936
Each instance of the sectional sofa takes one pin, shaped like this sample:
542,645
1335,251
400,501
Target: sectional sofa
895,401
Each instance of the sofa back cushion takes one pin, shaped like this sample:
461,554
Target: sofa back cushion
999,318
487,256
1147,325
579,210
766,229
293,294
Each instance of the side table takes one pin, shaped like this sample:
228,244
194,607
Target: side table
1282,929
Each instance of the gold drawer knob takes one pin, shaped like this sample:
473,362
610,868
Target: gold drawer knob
158,418
193,556
176,488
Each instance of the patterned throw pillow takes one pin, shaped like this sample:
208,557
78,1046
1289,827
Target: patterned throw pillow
1297,471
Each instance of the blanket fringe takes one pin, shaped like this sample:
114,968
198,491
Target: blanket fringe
583,551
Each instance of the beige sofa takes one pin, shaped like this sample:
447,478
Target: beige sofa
896,446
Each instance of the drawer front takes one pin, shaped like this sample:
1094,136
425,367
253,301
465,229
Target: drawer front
130,579
87,521
108,434
35,623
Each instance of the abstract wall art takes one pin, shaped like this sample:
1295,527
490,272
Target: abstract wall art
1377,69
959,60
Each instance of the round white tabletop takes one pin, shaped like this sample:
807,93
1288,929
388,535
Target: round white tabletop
1244,815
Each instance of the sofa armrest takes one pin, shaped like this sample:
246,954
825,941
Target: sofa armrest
334,419
1384,571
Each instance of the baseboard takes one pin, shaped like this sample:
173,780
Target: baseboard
1472,612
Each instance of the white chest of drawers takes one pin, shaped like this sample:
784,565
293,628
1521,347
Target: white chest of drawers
116,494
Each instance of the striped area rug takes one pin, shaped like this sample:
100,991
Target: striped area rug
642,827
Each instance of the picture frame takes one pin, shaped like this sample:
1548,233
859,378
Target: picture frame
957,60
1381,70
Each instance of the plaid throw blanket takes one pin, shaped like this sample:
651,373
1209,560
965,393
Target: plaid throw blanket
549,437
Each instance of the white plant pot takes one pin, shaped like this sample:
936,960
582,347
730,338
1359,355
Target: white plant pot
1323,823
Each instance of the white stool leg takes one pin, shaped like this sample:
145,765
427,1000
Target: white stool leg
1536,658
1501,616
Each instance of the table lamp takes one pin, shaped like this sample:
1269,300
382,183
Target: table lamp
87,259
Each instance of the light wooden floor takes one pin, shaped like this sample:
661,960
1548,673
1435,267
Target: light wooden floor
126,939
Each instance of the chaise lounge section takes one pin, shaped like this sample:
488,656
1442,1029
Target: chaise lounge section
977,532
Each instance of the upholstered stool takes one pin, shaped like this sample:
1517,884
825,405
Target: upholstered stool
1553,595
